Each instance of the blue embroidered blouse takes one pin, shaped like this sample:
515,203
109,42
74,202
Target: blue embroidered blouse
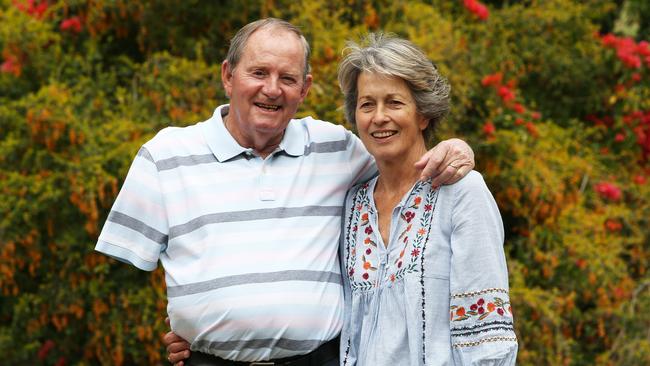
438,293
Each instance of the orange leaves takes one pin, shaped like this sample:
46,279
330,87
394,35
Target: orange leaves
99,307
371,19
86,202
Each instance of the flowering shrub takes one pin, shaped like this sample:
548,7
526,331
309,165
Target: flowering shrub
556,107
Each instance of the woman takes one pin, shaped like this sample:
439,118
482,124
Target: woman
426,280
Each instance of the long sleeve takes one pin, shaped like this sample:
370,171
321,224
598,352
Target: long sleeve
481,320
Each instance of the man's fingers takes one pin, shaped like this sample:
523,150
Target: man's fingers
431,161
167,322
451,175
178,347
444,176
178,357
171,337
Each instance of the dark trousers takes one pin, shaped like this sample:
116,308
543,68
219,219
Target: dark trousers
325,355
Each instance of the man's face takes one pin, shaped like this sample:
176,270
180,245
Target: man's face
266,87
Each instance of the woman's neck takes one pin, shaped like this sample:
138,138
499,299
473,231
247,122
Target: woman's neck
397,177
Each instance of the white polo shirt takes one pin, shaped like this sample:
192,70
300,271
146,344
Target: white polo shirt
249,245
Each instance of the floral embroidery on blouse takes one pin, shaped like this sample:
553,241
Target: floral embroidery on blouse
482,316
411,243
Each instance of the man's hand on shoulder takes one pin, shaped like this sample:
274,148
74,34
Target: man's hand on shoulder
447,162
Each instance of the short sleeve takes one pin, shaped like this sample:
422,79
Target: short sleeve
362,164
481,320
136,230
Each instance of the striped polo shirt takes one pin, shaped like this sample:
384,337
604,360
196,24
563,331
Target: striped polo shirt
249,245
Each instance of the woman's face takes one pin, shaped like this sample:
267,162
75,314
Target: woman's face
387,119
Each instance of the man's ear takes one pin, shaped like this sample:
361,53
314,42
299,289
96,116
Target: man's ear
226,77
305,87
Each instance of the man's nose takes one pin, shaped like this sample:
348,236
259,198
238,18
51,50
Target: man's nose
272,88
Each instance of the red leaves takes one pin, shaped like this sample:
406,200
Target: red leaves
11,65
478,9
506,93
613,225
640,179
45,349
630,53
489,129
32,8
72,24
608,191
492,80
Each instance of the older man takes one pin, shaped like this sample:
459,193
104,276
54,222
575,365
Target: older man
243,211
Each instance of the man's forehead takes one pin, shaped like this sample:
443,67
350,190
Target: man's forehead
257,47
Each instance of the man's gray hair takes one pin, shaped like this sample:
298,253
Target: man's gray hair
392,56
238,42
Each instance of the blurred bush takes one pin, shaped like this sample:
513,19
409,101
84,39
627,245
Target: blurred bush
554,102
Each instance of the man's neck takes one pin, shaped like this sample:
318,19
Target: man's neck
262,145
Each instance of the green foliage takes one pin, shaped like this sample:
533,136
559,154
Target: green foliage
558,115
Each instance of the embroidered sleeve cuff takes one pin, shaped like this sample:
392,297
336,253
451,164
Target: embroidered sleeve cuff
481,316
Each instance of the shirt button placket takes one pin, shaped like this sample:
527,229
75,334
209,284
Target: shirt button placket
267,193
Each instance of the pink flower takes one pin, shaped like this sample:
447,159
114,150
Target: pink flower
608,191
72,24
536,115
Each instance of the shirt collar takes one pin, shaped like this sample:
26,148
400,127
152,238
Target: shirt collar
225,147
293,142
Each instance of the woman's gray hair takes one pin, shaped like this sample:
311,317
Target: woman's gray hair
238,42
392,56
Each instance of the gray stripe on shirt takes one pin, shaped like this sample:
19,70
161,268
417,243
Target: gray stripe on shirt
283,343
253,278
326,147
176,161
137,225
144,153
252,215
